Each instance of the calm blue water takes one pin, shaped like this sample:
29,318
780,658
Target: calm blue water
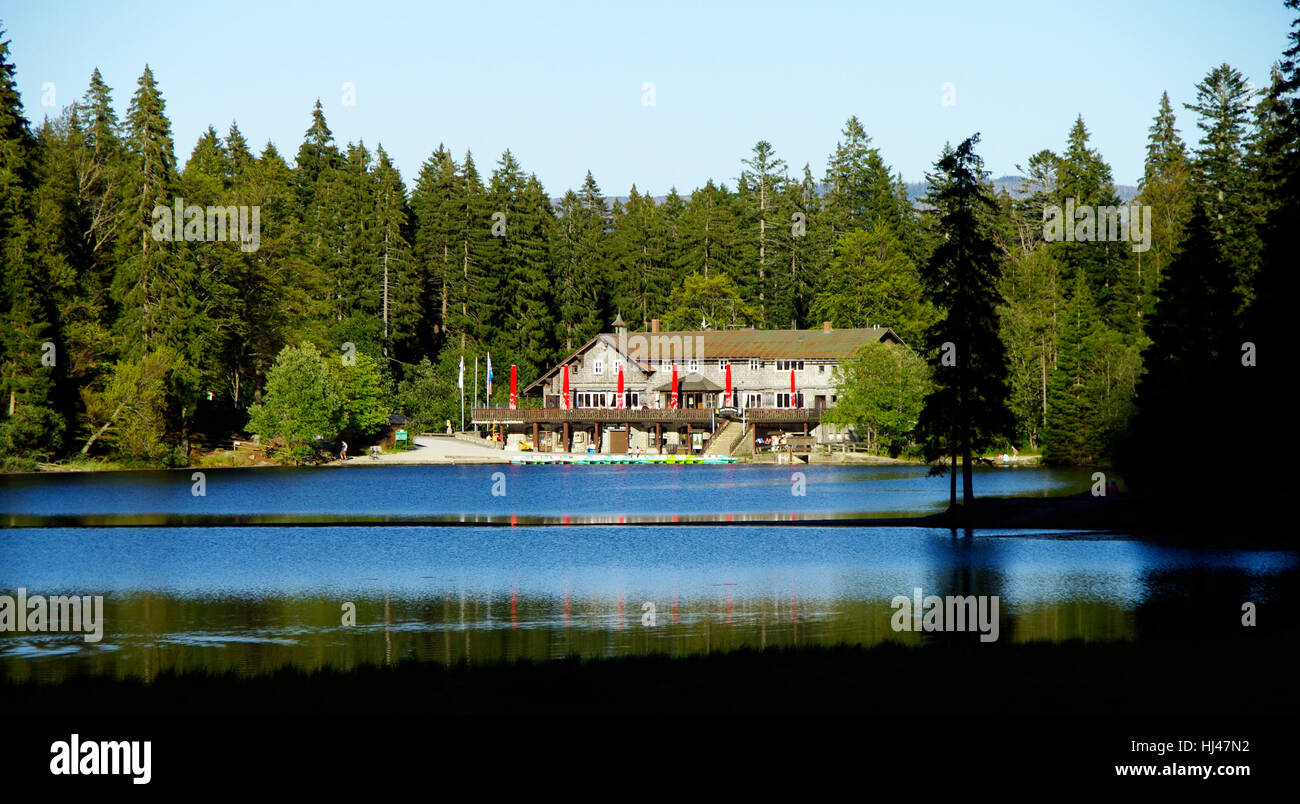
529,490
253,599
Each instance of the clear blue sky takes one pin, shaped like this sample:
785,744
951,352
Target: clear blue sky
561,83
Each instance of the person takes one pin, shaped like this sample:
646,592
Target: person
343,454
449,427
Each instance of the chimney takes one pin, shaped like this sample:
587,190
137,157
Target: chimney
654,325
826,326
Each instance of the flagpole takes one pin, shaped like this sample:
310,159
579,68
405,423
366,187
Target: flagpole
476,390
460,380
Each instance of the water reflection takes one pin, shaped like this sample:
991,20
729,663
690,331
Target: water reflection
463,493
255,599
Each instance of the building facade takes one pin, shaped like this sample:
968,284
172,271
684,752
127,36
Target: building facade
781,381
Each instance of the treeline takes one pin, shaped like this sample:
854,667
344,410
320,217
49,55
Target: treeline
117,341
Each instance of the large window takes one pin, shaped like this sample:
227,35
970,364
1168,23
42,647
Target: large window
753,399
788,400
789,365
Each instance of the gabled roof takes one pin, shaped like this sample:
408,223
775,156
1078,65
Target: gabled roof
609,339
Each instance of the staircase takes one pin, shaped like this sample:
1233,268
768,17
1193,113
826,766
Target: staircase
724,440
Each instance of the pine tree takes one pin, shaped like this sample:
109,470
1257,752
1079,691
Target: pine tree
1083,175
400,281
576,246
860,190
872,282
968,407
141,286
1264,387
316,155
1166,188
709,232
636,247
763,231
471,321
802,268
1192,365
435,206
1223,107
29,425
531,320
1070,417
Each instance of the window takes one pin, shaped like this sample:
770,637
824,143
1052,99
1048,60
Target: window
755,365
789,365
786,400
617,366
753,400
692,365
598,367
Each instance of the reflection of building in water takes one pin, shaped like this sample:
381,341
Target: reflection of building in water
706,391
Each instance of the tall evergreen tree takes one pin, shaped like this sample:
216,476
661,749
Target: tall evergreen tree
1166,188
763,230
1223,107
968,407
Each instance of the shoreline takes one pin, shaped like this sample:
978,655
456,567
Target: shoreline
500,458
1106,517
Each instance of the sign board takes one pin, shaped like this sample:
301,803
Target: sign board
400,435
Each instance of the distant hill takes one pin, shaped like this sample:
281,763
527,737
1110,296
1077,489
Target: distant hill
916,190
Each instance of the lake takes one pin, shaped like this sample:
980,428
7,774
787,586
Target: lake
252,599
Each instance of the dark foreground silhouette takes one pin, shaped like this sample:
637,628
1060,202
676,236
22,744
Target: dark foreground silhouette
1249,676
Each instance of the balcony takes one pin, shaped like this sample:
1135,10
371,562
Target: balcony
638,416
588,415
784,415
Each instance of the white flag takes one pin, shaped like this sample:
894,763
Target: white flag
489,375
460,380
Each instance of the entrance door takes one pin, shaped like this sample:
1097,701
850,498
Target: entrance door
618,442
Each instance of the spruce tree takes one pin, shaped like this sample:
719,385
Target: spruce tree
967,409
1223,107
1166,188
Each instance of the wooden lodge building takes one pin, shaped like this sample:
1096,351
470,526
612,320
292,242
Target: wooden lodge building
761,407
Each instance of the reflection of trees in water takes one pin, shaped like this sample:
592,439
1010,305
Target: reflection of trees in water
156,632
1206,602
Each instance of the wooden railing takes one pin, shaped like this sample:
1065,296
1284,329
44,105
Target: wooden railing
603,415
615,416
766,415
